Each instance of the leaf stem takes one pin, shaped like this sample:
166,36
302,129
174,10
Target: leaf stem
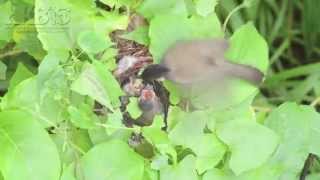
315,102
262,109
224,27
10,53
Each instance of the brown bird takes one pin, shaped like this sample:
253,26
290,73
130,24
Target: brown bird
198,62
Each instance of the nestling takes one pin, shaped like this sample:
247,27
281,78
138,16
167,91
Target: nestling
150,105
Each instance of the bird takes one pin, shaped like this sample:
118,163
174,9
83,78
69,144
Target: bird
150,105
200,62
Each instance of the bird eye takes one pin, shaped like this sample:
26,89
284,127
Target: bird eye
210,60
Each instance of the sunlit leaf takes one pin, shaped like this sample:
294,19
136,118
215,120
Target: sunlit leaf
209,152
218,174
92,42
133,108
247,139
6,22
27,152
99,84
21,74
151,8
139,35
189,130
304,123
52,31
180,27
83,116
185,170
25,35
108,160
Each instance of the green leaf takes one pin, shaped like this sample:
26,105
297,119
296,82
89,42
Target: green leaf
218,174
175,115
82,116
304,123
52,98
247,139
27,151
151,8
189,129
205,7
43,94
180,27
6,22
3,71
87,5
209,152
114,121
174,96
25,35
133,108
62,31
53,31
119,3
111,21
139,35
98,135
247,46
159,139
93,43
249,3
72,143
26,96
49,66
99,84
109,160
154,134
52,87
23,96
159,162
68,173
185,170
21,11
313,176
109,59
240,111
21,74
150,174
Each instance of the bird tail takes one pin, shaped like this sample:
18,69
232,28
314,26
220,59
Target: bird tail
154,71
248,73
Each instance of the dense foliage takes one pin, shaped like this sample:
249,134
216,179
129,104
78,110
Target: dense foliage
61,115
